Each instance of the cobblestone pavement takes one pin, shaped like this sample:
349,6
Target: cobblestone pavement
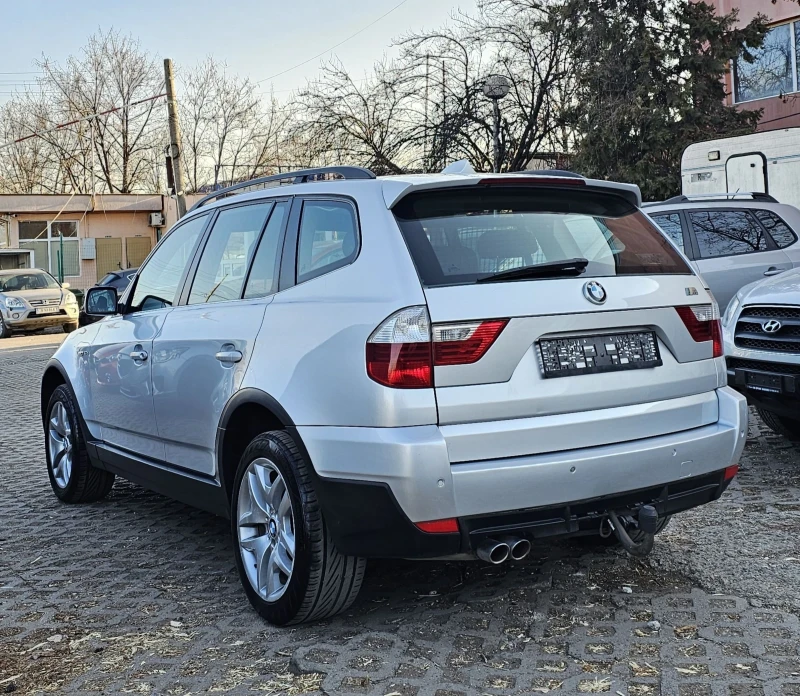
139,594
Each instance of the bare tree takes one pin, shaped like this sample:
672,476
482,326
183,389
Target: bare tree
370,122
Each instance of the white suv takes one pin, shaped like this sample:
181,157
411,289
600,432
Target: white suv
433,366
762,345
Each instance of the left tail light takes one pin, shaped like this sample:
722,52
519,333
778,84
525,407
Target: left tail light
703,324
404,349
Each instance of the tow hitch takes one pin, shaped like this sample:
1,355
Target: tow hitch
647,523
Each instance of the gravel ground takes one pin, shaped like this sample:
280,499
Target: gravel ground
139,594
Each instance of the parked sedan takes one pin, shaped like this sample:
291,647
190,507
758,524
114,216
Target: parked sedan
732,239
120,280
32,299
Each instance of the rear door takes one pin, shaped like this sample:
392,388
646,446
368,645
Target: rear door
538,373
205,344
734,250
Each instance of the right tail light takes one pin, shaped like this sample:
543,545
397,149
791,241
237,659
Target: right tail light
703,324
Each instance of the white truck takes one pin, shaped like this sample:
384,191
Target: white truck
767,162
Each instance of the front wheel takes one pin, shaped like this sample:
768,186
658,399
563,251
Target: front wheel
5,332
288,565
72,476
781,425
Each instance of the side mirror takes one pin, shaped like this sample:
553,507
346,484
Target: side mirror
65,285
101,302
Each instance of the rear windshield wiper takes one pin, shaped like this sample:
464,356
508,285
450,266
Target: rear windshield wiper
567,267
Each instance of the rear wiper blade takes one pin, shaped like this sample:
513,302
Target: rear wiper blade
540,270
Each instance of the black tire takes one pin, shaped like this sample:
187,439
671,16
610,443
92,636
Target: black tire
5,332
323,581
781,425
635,534
69,328
86,484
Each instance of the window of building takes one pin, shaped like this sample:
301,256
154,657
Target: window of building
55,245
773,70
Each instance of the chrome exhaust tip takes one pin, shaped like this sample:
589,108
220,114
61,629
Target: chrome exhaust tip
519,547
493,551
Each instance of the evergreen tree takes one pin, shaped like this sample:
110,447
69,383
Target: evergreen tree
650,82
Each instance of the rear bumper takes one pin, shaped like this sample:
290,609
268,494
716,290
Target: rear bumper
412,467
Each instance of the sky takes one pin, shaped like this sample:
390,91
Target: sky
258,39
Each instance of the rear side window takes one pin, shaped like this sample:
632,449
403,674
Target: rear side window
460,236
726,233
328,238
231,244
670,223
780,232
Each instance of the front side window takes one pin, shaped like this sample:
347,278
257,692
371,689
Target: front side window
158,281
55,245
670,223
328,238
772,71
264,273
726,233
223,265
780,232
462,236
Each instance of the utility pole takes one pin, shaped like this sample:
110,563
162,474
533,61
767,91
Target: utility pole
175,138
496,88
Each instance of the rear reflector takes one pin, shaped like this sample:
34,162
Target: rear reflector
464,344
403,365
730,472
448,526
702,321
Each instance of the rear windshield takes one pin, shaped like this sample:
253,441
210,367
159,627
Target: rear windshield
459,236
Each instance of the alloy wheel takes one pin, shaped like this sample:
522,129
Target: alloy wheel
59,443
266,529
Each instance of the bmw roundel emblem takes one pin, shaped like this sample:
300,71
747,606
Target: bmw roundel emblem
594,292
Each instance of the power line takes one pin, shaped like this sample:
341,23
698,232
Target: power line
319,55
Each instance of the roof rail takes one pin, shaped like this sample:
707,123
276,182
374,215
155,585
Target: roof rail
754,195
301,176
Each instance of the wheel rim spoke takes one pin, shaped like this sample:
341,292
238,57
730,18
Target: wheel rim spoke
266,529
60,445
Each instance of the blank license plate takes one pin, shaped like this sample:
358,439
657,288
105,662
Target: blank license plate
48,310
563,357
764,382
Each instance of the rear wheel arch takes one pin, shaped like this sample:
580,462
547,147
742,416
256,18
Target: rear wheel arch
247,414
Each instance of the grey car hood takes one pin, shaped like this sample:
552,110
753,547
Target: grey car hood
780,289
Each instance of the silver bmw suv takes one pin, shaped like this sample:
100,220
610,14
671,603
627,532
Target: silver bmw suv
431,366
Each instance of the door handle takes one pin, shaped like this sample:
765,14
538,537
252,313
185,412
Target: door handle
771,271
139,355
229,356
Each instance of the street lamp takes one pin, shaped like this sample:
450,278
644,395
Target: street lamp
495,88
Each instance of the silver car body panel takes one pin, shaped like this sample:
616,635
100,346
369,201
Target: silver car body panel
725,275
416,465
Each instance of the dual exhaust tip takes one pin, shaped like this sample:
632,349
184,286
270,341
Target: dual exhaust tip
497,551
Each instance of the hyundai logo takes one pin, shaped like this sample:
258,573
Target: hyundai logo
772,326
594,292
